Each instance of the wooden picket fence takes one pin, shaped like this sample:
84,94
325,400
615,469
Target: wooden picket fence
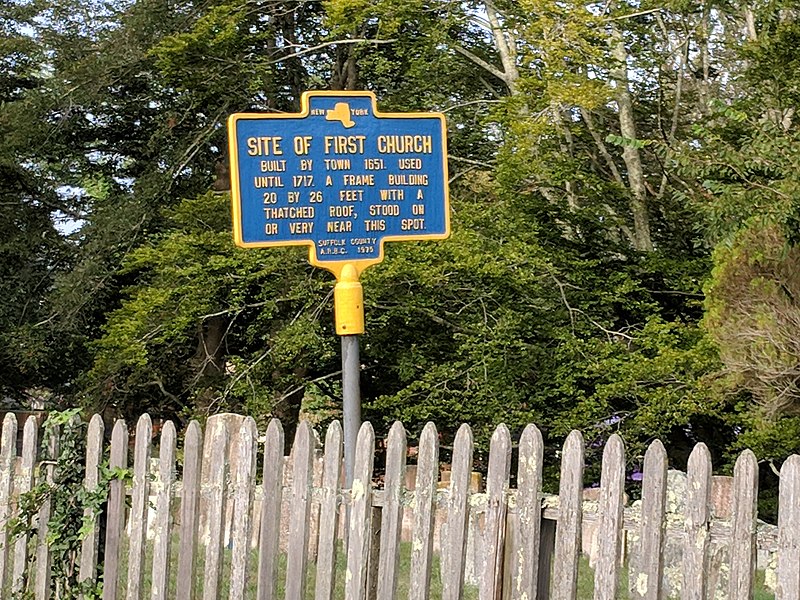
530,549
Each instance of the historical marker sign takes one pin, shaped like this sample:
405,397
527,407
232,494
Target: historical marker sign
339,177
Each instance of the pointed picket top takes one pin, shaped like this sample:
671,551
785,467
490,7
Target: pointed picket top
299,511
115,520
30,446
269,536
612,492
162,526
242,480
8,450
497,478
329,513
455,545
696,519
189,511
647,564
392,514
424,498
94,454
217,500
9,436
570,517
525,565
139,506
743,534
787,574
360,515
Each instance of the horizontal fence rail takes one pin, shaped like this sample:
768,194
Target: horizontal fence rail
224,514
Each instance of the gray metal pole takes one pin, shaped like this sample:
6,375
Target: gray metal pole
351,393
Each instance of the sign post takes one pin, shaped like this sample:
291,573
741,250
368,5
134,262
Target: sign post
341,178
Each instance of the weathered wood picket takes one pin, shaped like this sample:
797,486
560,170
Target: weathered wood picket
261,551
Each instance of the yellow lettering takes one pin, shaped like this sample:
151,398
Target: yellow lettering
405,144
412,224
351,195
358,179
341,211
344,144
299,227
396,194
264,146
374,225
384,210
339,226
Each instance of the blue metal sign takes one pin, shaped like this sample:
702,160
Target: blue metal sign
339,177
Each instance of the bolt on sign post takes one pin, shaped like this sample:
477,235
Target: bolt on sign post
341,178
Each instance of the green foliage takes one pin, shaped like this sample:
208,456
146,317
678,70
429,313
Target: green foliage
743,165
209,324
752,314
543,306
72,507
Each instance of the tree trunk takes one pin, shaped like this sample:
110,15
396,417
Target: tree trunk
506,47
630,154
750,24
345,71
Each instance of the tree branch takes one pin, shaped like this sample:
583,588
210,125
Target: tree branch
601,146
482,63
310,49
506,48
469,161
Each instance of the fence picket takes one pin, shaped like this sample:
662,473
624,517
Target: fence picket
42,579
300,511
695,550
514,545
612,489
217,485
392,515
496,507
94,454
647,565
743,535
360,515
424,497
525,569
8,452
30,445
329,513
570,515
115,520
787,574
190,511
454,547
163,526
269,535
242,507
140,492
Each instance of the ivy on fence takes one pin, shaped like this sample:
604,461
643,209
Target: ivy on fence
72,509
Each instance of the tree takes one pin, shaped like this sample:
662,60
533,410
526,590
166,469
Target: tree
570,293
32,253
745,163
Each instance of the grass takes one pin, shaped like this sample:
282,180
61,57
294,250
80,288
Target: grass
586,584
585,578
403,583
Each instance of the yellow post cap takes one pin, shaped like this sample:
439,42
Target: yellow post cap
348,302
